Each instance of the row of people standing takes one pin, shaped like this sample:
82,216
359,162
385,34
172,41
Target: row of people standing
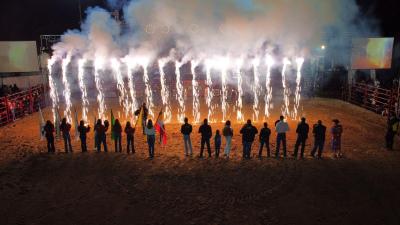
249,132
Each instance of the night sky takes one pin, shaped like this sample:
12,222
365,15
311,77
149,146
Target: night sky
27,19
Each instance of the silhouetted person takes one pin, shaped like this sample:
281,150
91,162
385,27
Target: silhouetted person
117,132
248,132
144,115
281,127
319,131
129,131
302,135
48,131
206,133
265,133
217,143
227,132
336,132
101,137
151,137
83,130
392,129
186,130
65,128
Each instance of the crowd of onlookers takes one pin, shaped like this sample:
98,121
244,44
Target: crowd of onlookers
15,103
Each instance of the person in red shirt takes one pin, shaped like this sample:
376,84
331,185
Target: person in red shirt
65,128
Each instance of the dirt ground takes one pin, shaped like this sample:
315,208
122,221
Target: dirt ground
117,188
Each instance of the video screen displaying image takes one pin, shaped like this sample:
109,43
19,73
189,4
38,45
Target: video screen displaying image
372,53
18,56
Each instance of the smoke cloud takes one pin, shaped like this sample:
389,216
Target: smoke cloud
198,28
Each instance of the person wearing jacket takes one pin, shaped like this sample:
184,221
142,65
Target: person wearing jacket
206,133
117,133
336,132
217,143
265,133
302,135
48,131
150,131
227,132
319,131
65,128
130,131
248,132
83,130
186,130
101,137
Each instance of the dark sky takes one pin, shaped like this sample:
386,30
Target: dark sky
27,19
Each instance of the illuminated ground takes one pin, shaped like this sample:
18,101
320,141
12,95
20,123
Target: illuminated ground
362,188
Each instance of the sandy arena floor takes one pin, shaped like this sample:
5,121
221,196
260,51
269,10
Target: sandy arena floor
113,188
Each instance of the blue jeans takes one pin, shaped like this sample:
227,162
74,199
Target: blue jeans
117,142
130,143
247,149
67,142
83,143
101,139
228,145
280,138
188,144
151,139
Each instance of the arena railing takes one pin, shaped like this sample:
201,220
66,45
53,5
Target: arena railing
377,99
23,102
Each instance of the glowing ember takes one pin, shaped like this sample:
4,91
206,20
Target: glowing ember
223,63
144,62
131,65
164,92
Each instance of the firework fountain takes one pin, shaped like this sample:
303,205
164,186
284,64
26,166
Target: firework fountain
144,63
82,86
164,91
131,84
224,63
210,94
256,89
195,87
179,89
123,99
67,90
286,90
268,87
239,103
53,89
299,62
98,66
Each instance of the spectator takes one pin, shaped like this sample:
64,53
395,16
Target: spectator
186,130
248,132
206,133
65,128
48,131
117,131
336,132
83,130
392,130
217,143
319,131
151,137
302,135
281,127
228,134
265,133
130,131
100,135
